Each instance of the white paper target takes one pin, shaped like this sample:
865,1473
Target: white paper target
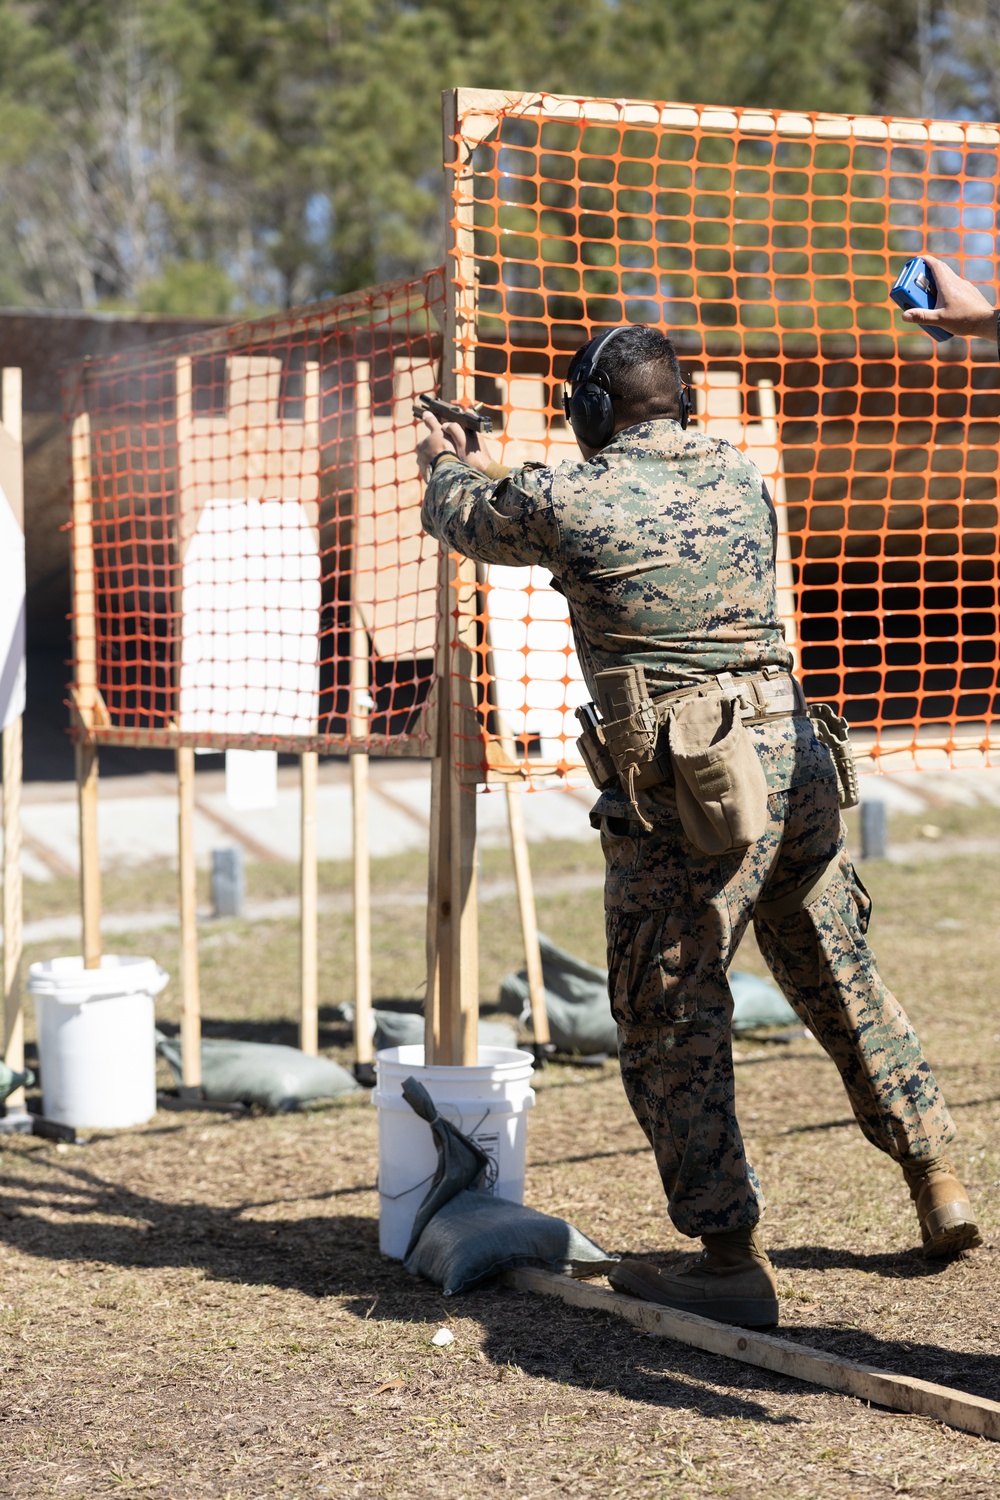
12,672
538,681
250,620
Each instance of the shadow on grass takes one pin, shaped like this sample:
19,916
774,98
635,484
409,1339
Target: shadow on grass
337,1255
900,1265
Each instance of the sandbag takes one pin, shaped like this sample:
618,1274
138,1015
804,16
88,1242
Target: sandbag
400,1023
462,1236
397,1028
476,1236
576,1001
580,1019
263,1073
10,1081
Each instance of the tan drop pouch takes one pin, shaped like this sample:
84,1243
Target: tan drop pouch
720,784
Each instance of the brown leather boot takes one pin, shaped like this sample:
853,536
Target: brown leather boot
947,1221
732,1281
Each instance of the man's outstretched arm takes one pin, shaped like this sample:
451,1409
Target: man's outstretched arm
507,519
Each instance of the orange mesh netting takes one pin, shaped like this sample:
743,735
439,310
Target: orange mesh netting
766,245
246,524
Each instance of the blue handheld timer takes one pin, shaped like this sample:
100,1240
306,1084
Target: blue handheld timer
915,287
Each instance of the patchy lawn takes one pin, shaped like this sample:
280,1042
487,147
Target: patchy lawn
198,1308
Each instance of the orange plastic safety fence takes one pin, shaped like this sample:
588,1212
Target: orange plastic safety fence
765,244
248,560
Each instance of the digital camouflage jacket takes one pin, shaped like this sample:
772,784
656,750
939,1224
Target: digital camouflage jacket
663,545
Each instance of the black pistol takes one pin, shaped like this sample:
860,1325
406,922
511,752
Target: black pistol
448,411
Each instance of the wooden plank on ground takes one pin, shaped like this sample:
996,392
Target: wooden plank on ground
766,1351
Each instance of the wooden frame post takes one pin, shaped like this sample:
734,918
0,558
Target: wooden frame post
13,906
85,690
364,1047
452,1007
529,920
187,879
309,916
12,476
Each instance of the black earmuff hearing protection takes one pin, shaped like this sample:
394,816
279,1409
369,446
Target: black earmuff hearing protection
588,406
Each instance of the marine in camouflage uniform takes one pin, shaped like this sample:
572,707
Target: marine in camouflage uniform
663,544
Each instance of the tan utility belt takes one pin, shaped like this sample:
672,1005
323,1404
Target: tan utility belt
694,737
770,694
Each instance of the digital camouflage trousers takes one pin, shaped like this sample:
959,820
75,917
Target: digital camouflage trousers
675,918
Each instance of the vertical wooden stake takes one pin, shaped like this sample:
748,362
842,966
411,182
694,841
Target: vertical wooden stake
85,689
309,916
364,1047
13,907
187,874
452,1007
90,866
12,480
529,920
768,408
438,890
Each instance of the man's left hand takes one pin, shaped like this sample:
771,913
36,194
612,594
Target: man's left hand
434,441
438,439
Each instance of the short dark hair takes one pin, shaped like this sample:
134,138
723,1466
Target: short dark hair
642,371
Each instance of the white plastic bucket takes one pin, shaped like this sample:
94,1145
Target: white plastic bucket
96,1042
488,1102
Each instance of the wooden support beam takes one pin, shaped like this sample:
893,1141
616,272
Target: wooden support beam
11,705
529,919
90,863
187,877
13,906
768,1352
85,696
452,1006
364,1046
309,914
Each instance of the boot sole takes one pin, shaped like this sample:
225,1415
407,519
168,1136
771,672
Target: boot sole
949,1230
742,1312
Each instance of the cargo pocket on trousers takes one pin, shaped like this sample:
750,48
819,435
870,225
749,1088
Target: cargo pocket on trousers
649,971
620,854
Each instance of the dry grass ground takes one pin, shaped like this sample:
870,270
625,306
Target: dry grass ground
198,1308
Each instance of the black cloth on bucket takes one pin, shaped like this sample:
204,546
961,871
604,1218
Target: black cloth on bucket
460,1164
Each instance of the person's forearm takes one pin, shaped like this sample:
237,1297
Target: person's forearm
459,511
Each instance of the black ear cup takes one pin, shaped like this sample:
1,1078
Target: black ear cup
590,412
686,405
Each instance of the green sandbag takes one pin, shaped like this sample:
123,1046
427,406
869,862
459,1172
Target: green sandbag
11,1081
463,1235
263,1073
475,1237
576,1000
580,1019
399,1028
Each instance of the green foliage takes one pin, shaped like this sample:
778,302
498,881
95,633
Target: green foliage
216,155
